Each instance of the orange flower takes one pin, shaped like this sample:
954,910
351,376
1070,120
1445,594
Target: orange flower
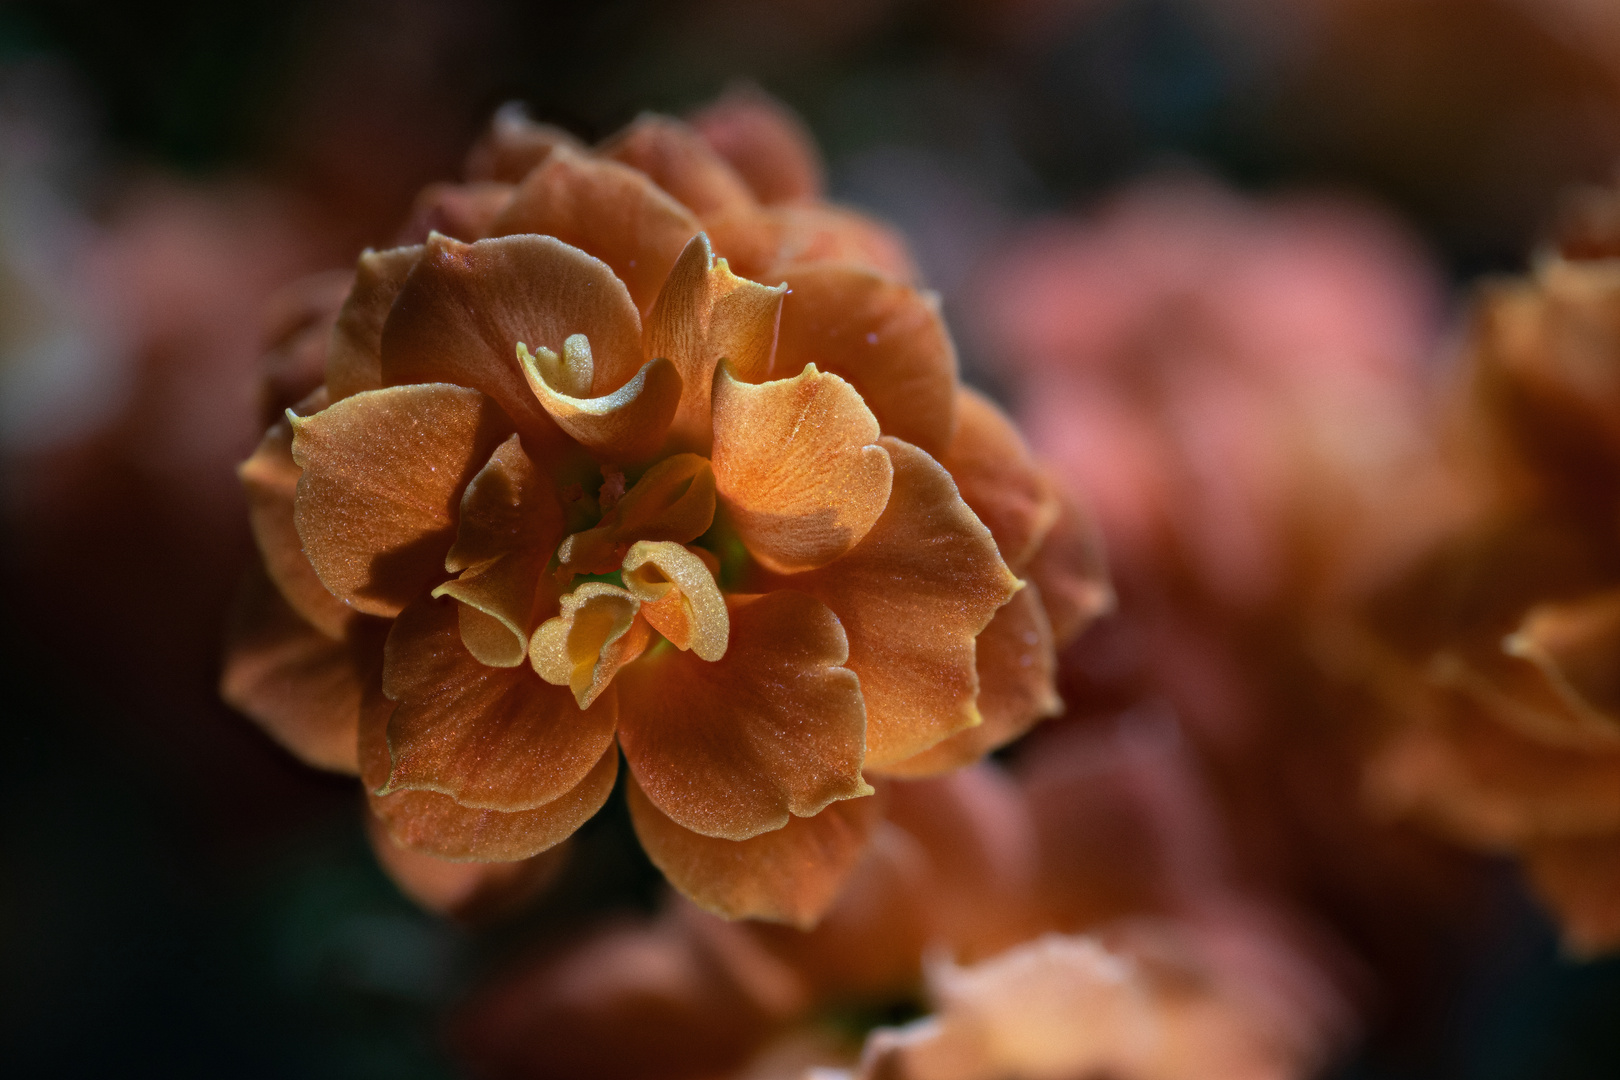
620,452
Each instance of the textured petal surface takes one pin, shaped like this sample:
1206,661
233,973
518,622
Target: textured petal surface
382,480
598,632
435,824
913,597
674,500
887,339
490,738
774,729
679,597
468,892
765,244
354,361
298,684
795,463
1071,569
465,308
790,875
625,426
766,143
607,209
998,477
678,160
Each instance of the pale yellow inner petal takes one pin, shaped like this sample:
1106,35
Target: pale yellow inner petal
679,597
596,633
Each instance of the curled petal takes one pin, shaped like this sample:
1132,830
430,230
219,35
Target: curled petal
462,211
767,145
607,209
999,478
464,309
1071,569
796,464
514,145
674,500
887,339
679,161
270,481
354,360
469,892
772,730
625,426
704,314
434,824
598,632
297,683
383,476
790,875
913,597
764,244
489,738
679,597
1017,668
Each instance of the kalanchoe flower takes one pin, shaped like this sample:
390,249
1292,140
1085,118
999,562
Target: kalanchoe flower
632,450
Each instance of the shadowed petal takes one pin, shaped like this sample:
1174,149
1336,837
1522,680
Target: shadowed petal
1576,647
354,360
679,161
885,338
679,597
598,632
469,892
1017,669
764,244
490,738
298,684
1071,569
462,211
607,209
514,145
674,501
999,479
766,143
913,597
435,824
791,874
627,425
1579,878
773,729
704,314
796,465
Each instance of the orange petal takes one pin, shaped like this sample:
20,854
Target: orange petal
514,145
886,338
598,632
437,825
1017,668
913,597
627,425
270,481
298,325
1576,647
679,161
490,738
774,729
354,360
469,892
704,314
465,308
796,465
383,475
1071,569
766,143
674,500
764,244
1579,879
678,597
462,211
607,209
999,479
297,683
791,874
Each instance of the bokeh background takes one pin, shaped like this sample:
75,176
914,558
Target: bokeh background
179,897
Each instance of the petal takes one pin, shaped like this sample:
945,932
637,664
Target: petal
679,597
791,874
297,339
297,683
1071,569
465,308
270,482
766,143
598,632
886,338
674,500
607,209
733,748
514,145
1017,668
435,824
1579,879
913,597
383,476
764,244
490,738
999,478
354,361
469,892
625,426
795,465
1576,647
704,314
677,159
462,211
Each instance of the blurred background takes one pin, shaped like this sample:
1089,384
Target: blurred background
179,897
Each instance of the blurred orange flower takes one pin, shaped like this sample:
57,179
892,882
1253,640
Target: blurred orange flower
637,450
